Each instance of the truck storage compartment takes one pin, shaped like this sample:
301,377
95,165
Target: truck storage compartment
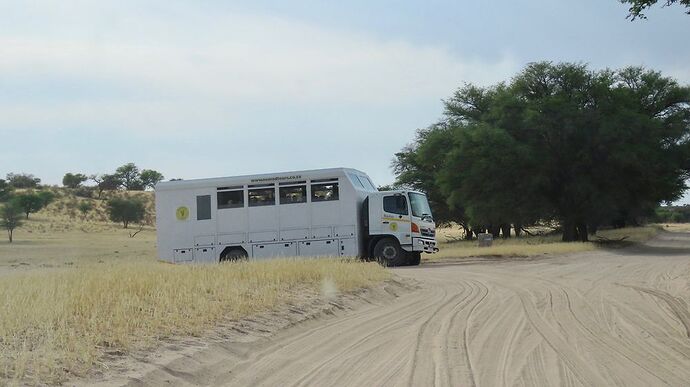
283,249
327,247
183,255
205,254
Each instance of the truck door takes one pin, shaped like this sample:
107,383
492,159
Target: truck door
396,218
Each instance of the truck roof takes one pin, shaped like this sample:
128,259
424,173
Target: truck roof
257,179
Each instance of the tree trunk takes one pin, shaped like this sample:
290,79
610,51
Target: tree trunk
125,223
582,232
505,229
593,229
518,230
9,232
495,231
569,231
27,214
468,232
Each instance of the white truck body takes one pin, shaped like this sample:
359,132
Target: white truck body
322,212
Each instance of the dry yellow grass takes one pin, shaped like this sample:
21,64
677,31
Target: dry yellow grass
57,323
675,227
451,247
72,288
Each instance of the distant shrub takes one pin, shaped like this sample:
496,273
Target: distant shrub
73,180
46,197
126,210
22,180
84,192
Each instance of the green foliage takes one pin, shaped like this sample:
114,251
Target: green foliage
106,183
85,207
73,180
84,192
149,178
46,197
22,180
559,142
672,214
29,202
130,177
418,165
10,218
126,210
637,7
5,191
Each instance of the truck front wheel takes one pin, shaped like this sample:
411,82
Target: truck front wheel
389,253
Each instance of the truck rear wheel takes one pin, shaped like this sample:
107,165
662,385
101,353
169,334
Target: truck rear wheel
233,254
389,253
414,258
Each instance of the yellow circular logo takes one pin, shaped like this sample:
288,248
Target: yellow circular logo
182,213
394,226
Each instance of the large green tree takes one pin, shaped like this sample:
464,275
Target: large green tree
637,7
562,142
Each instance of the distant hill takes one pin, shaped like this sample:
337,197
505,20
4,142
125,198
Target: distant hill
63,214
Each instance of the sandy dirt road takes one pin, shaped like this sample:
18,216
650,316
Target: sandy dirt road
598,319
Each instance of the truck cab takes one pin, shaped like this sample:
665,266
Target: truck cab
399,227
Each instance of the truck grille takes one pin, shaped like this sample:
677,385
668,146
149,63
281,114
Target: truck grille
428,232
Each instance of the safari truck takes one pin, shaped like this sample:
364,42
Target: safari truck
324,212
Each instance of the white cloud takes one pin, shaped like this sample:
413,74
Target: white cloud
180,69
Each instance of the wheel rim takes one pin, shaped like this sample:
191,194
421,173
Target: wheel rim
389,252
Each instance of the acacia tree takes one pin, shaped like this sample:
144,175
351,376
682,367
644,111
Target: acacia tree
562,142
10,218
126,210
29,202
637,7
22,180
130,177
106,183
149,178
73,180
5,190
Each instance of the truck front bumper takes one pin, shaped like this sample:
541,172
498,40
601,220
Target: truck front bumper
425,245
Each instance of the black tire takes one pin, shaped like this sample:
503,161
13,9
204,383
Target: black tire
414,258
388,252
234,254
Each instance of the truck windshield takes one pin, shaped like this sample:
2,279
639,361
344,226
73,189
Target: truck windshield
420,206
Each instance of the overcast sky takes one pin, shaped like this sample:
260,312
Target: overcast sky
215,88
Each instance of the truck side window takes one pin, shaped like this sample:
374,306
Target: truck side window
262,197
324,192
203,207
231,199
296,194
396,204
